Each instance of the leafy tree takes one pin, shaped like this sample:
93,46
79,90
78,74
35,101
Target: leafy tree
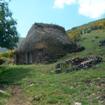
8,32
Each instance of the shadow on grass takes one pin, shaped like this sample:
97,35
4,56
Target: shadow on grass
12,75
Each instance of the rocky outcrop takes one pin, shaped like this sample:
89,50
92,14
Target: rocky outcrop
44,43
86,62
77,64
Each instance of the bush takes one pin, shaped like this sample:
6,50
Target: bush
8,54
2,61
6,57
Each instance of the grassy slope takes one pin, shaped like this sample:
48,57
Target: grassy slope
42,86
76,32
91,43
87,25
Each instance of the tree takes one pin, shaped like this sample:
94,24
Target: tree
8,32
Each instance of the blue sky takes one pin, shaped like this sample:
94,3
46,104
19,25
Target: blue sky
67,13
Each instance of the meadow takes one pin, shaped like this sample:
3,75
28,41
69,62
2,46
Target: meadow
40,85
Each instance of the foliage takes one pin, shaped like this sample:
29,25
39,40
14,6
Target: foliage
8,54
8,32
7,57
74,34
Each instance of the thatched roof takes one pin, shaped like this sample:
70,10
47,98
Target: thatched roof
48,36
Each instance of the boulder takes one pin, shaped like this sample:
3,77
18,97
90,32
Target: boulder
44,43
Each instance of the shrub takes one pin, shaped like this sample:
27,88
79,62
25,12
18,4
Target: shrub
8,54
2,61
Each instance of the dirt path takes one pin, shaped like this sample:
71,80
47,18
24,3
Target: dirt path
18,98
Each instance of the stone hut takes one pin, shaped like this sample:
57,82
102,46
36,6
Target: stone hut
44,43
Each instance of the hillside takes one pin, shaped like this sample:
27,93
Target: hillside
76,32
40,85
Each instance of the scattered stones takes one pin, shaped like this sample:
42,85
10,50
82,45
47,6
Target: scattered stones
78,63
37,98
100,82
88,82
60,67
85,62
102,98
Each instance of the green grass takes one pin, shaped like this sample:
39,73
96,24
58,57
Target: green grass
43,87
91,43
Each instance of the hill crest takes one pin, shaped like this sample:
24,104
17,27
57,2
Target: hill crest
75,32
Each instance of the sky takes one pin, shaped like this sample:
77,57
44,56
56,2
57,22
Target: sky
67,13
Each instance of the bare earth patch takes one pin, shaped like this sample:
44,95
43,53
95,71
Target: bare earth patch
18,98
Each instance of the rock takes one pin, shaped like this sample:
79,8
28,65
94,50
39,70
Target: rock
38,97
58,68
4,92
85,62
44,43
78,63
102,43
77,103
